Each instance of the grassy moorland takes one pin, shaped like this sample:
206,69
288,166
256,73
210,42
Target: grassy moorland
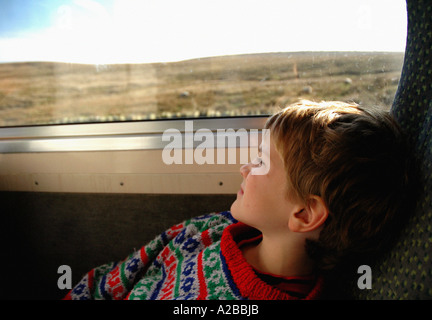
44,92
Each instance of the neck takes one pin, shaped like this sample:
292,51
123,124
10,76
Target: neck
284,257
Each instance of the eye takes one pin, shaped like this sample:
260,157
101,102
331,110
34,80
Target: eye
258,162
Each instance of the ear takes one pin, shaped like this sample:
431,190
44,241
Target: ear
312,216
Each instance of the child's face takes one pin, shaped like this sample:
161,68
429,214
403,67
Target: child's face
262,200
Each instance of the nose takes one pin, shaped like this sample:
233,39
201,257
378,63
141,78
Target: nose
245,169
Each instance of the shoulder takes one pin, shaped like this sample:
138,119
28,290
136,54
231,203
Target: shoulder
209,226
211,220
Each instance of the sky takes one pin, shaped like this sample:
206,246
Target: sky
143,31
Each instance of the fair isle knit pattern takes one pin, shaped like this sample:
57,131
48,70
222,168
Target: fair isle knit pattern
194,260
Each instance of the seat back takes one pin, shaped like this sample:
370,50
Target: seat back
407,272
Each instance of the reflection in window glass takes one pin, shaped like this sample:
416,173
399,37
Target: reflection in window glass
101,61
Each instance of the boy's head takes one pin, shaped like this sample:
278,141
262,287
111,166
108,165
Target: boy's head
356,161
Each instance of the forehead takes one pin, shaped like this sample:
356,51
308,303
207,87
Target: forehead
269,151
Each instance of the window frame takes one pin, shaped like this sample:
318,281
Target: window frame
115,158
140,135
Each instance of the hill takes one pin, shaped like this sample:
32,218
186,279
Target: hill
34,93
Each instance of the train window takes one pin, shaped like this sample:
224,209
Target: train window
92,61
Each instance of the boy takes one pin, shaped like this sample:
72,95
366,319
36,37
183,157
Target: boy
337,190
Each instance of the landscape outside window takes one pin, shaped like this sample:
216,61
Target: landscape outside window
60,64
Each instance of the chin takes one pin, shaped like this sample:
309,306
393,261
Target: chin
234,210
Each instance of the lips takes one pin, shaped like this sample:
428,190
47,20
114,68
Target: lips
241,189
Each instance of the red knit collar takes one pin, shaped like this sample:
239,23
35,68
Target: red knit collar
246,280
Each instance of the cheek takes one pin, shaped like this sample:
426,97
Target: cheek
255,197
246,203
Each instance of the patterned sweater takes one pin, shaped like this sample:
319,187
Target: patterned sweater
198,259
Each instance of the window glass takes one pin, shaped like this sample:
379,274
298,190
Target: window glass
82,61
